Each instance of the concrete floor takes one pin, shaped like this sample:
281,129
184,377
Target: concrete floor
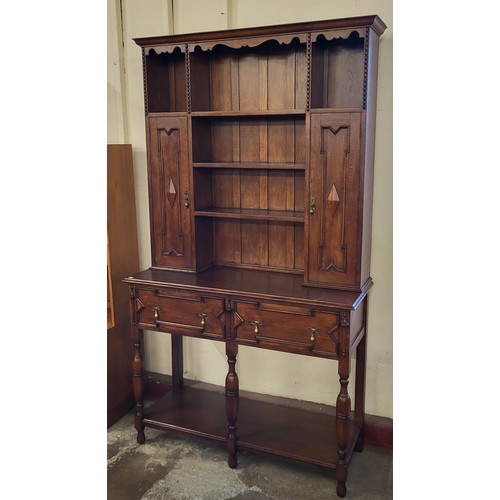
175,467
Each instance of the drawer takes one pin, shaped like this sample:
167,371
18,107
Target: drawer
181,312
286,328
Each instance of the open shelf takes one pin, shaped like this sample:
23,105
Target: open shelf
229,239
307,436
166,81
249,139
252,214
246,216
337,71
267,77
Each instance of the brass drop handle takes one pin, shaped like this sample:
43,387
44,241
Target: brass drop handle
313,333
312,206
203,317
186,199
156,311
256,324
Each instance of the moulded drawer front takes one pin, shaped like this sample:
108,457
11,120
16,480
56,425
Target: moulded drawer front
181,312
286,327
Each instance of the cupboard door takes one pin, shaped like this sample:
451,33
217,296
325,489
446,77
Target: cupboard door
334,194
169,193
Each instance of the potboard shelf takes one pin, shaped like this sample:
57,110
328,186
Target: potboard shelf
262,426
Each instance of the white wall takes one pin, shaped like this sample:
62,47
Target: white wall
116,77
259,370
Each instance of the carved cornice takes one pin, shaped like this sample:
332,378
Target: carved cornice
239,43
350,24
337,34
164,49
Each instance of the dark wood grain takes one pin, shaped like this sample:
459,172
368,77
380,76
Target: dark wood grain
282,327
338,72
169,181
266,427
372,21
260,168
257,214
334,247
251,165
166,77
250,283
123,260
190,314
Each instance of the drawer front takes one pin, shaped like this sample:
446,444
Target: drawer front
181,312
286,328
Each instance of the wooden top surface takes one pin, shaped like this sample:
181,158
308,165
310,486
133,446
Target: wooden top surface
350,22
268,285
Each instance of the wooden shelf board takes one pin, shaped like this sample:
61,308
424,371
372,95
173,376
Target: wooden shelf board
337,110
285,431
196,412
265,112
243,114
251,165
160,114
251,214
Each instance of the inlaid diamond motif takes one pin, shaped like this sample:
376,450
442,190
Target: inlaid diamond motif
171,192
333,199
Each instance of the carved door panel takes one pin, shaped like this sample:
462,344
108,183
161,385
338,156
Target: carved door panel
334,189
169,192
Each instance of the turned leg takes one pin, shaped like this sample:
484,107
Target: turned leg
138,383
343,415
232,395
